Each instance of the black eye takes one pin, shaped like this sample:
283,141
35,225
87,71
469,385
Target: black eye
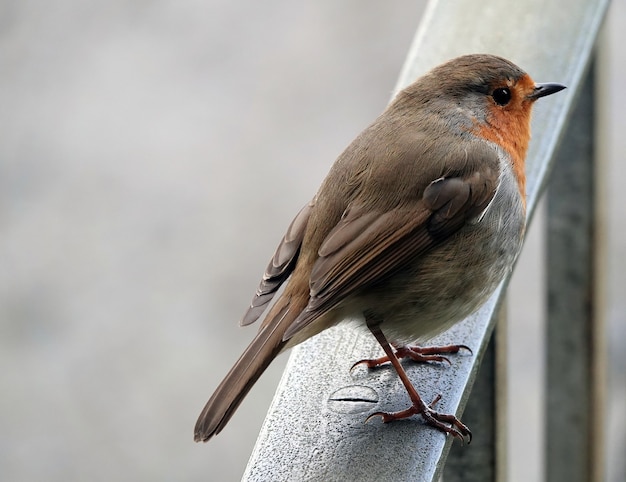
502,96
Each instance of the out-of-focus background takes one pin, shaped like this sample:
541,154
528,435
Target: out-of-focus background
151,155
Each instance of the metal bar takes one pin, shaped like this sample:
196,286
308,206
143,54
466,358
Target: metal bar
574,375
314,429
501,339
486,408
479,463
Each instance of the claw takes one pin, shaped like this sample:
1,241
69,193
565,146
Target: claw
434,402
444,422
371,363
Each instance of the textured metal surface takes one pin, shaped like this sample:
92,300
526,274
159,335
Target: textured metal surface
486,408
303,438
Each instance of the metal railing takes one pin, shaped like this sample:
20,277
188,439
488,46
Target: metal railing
314,429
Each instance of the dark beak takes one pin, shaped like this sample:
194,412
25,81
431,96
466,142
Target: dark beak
541,90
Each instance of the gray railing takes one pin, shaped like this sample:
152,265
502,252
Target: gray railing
314,429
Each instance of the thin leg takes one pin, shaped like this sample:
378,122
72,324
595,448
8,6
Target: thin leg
444,422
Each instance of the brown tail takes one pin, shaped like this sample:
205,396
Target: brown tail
247,370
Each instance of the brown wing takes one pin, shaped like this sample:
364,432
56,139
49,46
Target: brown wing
280,266
366,246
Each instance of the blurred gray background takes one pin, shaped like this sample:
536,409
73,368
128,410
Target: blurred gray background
152,155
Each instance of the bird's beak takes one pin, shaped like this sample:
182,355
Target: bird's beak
541,90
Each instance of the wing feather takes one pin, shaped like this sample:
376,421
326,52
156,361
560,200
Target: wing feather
280,266
366,246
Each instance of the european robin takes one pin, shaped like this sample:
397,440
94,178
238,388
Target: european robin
416,224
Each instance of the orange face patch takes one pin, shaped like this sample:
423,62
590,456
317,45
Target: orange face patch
509,125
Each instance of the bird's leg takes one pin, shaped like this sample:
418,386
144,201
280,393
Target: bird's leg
444,422
420,354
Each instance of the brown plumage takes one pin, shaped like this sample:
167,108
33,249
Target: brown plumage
417,222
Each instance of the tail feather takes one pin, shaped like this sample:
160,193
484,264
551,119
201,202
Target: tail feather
256,358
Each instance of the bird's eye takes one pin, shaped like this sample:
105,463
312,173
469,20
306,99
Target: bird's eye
502,96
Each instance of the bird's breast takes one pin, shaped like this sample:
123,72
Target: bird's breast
436,290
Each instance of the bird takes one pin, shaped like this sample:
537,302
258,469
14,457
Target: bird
417,222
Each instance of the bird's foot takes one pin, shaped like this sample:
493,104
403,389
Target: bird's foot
446,423
418,354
